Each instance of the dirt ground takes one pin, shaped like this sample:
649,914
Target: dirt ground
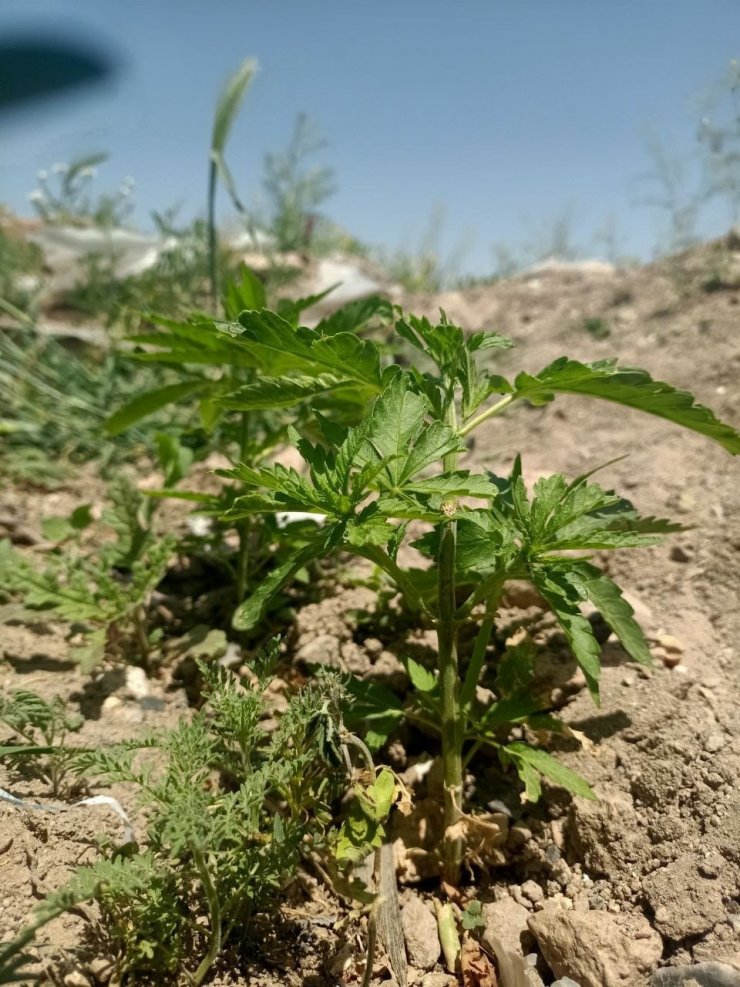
605,893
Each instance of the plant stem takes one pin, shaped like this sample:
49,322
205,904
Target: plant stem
495,409
477,659
214,915
212,232
244,529
449,679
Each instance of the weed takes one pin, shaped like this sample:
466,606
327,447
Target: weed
246,416
104,593
39,729
231,810
294,190
20,269
370,481
56,403
64,195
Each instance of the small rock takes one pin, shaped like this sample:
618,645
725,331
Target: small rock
704,974
519,835
714,742
533,892
670,643
438,980
507,921
628,681
565,982
76,978
137,684
679,554
323,650
685,903
421,933
596,949
102,969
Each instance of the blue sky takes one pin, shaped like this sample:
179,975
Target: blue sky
502,113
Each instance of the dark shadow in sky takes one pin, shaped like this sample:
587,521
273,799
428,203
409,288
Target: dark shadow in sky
36,68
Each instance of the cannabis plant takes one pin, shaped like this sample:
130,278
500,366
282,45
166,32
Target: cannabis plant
374,483
232,805
232,389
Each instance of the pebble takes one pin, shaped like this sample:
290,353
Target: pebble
533,892
714,742
137,683
102,969
77,979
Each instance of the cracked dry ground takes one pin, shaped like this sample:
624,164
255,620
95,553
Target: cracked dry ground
648,878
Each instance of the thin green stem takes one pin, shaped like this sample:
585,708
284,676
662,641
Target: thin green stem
491,412
15,313
212,232
477,659
214,916
375,554
244,529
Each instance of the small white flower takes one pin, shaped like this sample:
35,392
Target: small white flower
42,175
128,180
60,168
88,173
36,196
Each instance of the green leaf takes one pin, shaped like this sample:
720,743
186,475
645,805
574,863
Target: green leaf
376,708
246,292
280,392
607,597
457,484
56,529
472,917
380,794
248,615
421,678
151,401
532,761
24,750
510,710
355,315
280,348
631,387
563,601
515,670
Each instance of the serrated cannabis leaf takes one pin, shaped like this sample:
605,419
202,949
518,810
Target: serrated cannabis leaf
147,404
532,762
421,678
248,615
631,387
280,392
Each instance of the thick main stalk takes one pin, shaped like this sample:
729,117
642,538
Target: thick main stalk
449,679
449,676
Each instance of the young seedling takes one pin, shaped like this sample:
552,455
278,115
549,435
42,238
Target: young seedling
402,464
